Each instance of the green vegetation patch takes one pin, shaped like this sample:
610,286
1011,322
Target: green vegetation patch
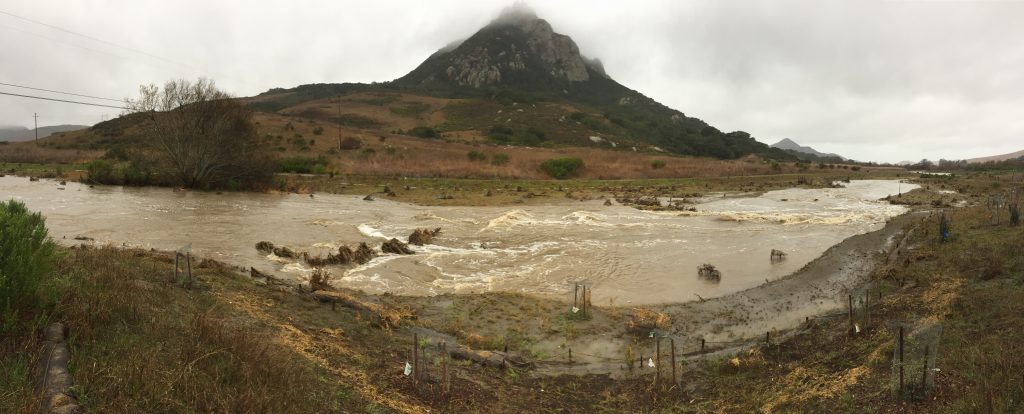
303,165
410,109
357,121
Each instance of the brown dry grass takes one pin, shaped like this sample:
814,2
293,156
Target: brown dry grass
27,152
142,344
644,320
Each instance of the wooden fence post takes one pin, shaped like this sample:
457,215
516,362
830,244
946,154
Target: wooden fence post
415,357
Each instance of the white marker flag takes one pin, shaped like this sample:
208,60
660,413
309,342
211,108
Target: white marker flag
408,368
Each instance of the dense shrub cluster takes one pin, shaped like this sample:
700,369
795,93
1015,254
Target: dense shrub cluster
423,132
562,168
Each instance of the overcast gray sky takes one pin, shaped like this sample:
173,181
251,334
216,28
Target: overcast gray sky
872,80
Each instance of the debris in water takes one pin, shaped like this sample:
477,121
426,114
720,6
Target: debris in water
395,246
777,255
708,271
420,237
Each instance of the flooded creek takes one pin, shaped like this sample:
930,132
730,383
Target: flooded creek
630,256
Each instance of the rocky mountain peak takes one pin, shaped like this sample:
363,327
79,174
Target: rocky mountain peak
516,49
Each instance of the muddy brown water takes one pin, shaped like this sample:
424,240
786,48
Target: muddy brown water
630,256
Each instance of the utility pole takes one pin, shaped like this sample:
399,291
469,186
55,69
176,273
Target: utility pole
35,117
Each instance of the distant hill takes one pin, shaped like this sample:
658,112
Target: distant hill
1003,157
18,133
790,145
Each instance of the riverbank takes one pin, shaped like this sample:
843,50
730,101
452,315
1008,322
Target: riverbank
451,191
233,344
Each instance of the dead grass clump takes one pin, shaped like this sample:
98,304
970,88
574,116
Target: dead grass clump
420,237
320,278
644,320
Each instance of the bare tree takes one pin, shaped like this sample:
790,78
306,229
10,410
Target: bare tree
199,134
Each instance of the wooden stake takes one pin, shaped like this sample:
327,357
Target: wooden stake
867,308
768,338
924,371
176,256
575,295
657,360
415,358
702,345
674,381
188,263
444,366
901,360
570,355
851,313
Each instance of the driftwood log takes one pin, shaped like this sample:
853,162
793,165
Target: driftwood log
56,380
487,358
388,316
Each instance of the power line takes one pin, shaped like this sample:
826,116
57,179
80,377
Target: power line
133,50
63,93
62,100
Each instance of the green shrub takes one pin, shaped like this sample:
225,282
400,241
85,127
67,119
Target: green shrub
476,156
423,132
302,165
350,143
318,130
409,109
562,168
27,257
100,172
499,158
657,164
134,174
501,133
